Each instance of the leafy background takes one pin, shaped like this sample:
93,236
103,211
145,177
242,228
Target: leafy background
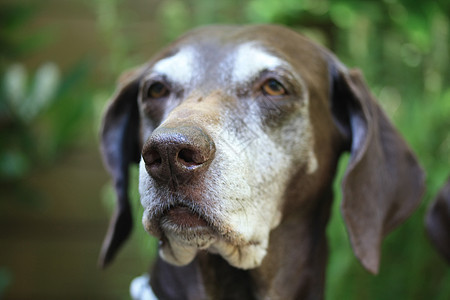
59,61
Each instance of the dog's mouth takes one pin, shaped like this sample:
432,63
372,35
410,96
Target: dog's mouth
184,223
185,227
181,218
185,217
183,232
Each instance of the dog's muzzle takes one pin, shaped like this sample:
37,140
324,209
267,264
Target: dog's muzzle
176,158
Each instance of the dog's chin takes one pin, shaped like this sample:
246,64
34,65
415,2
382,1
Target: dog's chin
183,233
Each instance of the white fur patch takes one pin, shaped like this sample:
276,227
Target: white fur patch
179,67
313,165
140,289
249,60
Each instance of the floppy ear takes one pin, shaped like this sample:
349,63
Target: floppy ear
383,183
120,147
438,222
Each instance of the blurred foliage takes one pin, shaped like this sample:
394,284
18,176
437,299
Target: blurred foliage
111,19
40,116
13,42
42,111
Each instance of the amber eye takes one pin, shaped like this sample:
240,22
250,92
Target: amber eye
157,90
273,88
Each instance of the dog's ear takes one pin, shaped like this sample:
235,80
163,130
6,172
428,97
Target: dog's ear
120,147
438,222
383,183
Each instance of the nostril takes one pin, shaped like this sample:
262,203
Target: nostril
187,158
152,158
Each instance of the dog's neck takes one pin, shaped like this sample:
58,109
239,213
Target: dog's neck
294,267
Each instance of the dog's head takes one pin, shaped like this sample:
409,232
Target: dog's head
229,124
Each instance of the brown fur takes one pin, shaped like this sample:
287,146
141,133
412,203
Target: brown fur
382,186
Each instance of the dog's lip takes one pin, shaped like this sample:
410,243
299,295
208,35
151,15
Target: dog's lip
194,220
184,217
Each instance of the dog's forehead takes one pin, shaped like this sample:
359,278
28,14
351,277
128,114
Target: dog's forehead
223,56
241,63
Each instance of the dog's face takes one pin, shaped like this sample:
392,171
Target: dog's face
225,126
237,129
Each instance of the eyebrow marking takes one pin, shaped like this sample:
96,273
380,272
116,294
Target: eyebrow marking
178,68
250,60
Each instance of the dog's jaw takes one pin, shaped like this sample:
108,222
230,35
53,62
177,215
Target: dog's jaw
233,240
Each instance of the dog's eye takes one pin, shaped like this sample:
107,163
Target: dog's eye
157,90
272,87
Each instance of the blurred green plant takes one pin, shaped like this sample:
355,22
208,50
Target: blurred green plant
112,19
41,115
41,112
21,106
13,42
26,105
38,117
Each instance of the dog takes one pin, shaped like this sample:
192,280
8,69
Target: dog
437,222
237,132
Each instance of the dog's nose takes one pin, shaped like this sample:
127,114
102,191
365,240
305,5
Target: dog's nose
176,155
